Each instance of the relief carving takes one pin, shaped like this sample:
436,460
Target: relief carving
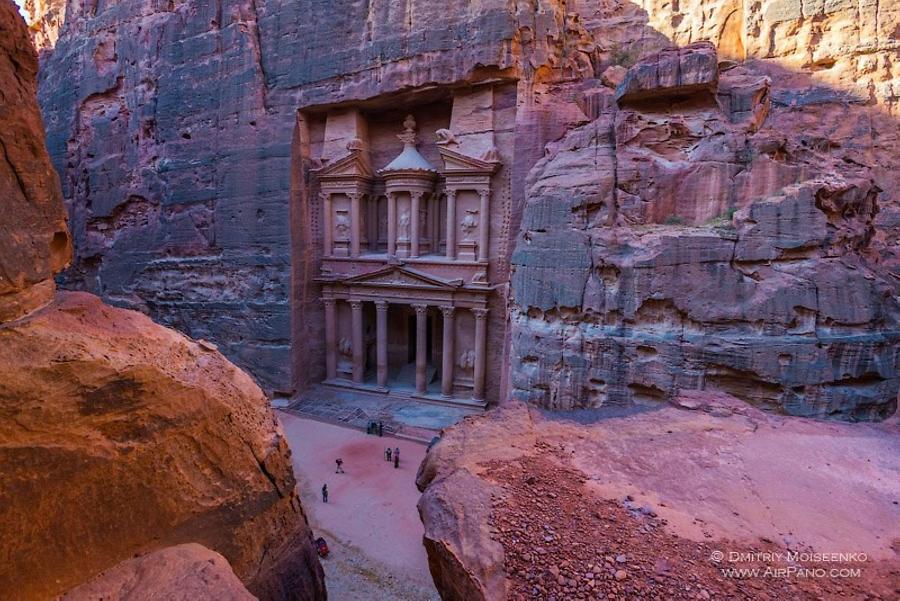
342,225
345,347
403,225
469,223
466,360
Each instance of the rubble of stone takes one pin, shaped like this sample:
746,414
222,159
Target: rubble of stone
575,505
121,436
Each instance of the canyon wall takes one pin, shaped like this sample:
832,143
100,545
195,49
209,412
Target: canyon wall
120,436
175,129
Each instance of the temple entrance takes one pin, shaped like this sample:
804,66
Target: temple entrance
402,348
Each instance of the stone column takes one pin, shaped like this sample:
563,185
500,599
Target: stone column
449,349
451,224
372,222
415,200
392,224
359,355
355,220
421,347
480,352
381,314
330,339
328,238
484,224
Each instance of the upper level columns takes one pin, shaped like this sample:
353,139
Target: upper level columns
484,223
415,210
392,224
355,221
328,225
451,224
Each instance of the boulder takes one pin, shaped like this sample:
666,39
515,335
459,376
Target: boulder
692,70
188,572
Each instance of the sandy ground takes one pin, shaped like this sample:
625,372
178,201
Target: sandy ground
370,521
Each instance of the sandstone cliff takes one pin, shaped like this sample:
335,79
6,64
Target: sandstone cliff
712,229
173,125
119,436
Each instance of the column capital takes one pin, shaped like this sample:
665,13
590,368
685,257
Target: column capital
479,313
329,302
448,311
355,303
381,305
450,192
484,192
419,308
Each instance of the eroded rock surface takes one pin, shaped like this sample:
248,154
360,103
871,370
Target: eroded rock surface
582,505
174,127
119,436
704,232
188,572
34,241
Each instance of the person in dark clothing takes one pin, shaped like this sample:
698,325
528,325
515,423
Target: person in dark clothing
340,463
396,457
387,454
324,493
380,429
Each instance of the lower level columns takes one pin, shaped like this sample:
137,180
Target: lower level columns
381,352
421,347
448,352
359,355
480,352
330,340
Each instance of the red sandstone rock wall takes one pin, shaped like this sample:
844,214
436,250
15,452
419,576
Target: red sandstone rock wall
119,436
173,128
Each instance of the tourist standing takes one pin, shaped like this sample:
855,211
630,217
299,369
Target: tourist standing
339,469
396,457
325,493
387,454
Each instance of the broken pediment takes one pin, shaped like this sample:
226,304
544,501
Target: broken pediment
353,165
456,162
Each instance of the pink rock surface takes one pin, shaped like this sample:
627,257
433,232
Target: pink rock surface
187,572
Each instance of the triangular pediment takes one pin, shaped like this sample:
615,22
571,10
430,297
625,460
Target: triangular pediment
456,161
354,164
395,275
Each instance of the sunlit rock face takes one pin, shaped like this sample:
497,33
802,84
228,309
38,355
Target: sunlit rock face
119,436
175,130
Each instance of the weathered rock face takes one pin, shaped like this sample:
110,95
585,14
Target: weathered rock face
120,436
182,573
600,504
174,132
34,241
719,237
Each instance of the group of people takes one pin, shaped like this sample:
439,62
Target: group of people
389,455
395,454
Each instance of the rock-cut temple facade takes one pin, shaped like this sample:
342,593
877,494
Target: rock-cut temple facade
406,205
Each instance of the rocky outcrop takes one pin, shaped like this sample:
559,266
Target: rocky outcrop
120,436
576,505
123,436
178,142
182,573
34,241
717,237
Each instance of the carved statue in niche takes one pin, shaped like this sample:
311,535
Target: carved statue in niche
403,226
469,223
466,360
345,347
342,225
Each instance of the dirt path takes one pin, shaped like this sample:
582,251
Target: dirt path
370,521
